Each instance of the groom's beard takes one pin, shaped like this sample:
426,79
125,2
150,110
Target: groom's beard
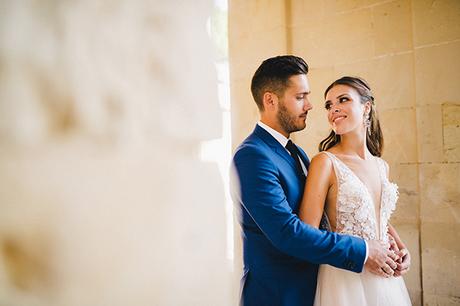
287,120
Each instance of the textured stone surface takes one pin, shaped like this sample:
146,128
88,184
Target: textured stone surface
440,193
429,133
400,145
437,68
104,199
324,42
406,176
451,131
435,21
440,262
391,79
393,27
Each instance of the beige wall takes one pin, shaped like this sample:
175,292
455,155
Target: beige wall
408,51
104,199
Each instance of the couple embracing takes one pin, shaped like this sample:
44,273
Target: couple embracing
316,233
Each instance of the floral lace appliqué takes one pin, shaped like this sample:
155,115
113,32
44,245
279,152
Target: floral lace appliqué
355,207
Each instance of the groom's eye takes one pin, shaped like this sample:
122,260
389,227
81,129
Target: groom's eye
300,97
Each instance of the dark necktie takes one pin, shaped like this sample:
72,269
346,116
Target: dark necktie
291,147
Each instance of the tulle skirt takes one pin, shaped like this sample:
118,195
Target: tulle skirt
337,287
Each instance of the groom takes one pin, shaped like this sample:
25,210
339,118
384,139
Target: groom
281,253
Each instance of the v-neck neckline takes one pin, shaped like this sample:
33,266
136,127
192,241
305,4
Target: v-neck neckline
379,221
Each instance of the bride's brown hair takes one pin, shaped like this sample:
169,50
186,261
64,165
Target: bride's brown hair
374,139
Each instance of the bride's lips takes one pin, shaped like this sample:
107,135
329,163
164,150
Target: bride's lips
338,119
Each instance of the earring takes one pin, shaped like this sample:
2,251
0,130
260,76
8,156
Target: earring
367,123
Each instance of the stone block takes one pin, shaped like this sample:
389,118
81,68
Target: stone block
435,21
440,264
437,72
391,79
393,27
429,133
393,82
303,13
434,299
439,192
324,42
256,16
340,6
406,177
364,69
451,132
248,49
399,144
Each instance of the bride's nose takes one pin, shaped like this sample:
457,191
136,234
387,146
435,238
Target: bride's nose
336,110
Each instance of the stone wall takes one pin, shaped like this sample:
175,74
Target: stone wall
408,51
104,199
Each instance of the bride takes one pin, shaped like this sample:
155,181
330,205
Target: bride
348,185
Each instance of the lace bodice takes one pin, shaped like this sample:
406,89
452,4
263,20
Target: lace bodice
355,207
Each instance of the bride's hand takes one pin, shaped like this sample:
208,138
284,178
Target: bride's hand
403,264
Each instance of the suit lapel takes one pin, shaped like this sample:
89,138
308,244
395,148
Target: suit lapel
304,158
276,146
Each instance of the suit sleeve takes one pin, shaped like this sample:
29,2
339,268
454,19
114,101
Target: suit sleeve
262,196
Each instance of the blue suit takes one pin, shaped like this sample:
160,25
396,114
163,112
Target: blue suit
281,253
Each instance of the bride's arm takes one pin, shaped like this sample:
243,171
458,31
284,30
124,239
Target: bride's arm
398,247
392,231
316,188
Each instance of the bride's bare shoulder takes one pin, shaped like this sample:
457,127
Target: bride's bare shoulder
322,160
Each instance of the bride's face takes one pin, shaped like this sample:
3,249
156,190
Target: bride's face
345,110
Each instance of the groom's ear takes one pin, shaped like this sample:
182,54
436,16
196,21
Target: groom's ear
270,100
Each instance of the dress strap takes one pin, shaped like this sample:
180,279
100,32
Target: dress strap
382,169
337,167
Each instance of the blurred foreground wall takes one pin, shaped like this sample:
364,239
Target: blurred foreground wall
103,197
409,53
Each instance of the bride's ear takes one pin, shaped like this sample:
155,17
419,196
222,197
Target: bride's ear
367,108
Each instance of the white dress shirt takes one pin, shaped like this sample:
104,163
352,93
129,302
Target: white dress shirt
282,140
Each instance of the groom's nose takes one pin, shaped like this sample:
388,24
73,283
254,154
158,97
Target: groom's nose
307,105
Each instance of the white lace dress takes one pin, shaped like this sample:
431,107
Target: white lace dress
356,216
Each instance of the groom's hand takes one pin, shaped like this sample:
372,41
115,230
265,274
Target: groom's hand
380,261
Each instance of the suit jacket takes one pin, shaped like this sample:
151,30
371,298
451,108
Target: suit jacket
281,253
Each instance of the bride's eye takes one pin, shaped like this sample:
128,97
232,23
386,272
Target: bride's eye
343,99
327,106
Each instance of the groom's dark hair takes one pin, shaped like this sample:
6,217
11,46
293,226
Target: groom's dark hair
273,75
